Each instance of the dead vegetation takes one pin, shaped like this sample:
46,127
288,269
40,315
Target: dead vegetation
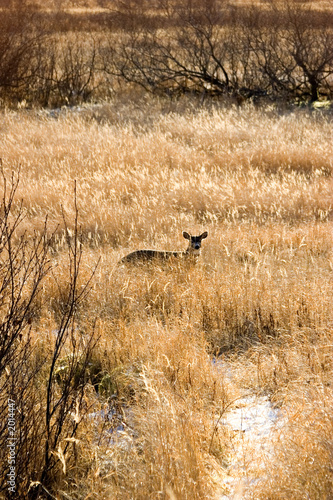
122,395
71,53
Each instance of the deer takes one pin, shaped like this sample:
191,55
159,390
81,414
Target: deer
191,254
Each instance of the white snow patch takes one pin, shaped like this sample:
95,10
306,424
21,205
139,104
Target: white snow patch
254,416
254,421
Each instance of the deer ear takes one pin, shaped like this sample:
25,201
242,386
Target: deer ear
204,235
186,235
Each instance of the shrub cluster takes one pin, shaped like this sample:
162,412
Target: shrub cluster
280,50
38,395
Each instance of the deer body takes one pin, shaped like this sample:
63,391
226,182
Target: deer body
146,256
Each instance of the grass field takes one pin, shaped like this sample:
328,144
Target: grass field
182,345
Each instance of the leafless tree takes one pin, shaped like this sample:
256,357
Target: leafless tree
211,48
294,53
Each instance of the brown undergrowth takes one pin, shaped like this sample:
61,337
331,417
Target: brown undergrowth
138,361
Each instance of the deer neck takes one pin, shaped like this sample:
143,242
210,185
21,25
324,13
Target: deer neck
191,252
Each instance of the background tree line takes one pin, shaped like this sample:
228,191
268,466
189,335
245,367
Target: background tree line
277,50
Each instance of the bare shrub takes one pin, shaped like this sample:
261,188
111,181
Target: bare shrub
73,79
209,48
188,54
20,37
43,429
293,53
24,264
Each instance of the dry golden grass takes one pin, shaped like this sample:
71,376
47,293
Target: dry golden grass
260,182
218,166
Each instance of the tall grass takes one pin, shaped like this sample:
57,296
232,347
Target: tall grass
218,165
260,182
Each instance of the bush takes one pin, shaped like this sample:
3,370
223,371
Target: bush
38,428
210,49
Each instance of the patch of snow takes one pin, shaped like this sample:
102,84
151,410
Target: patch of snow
253,421
254,416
